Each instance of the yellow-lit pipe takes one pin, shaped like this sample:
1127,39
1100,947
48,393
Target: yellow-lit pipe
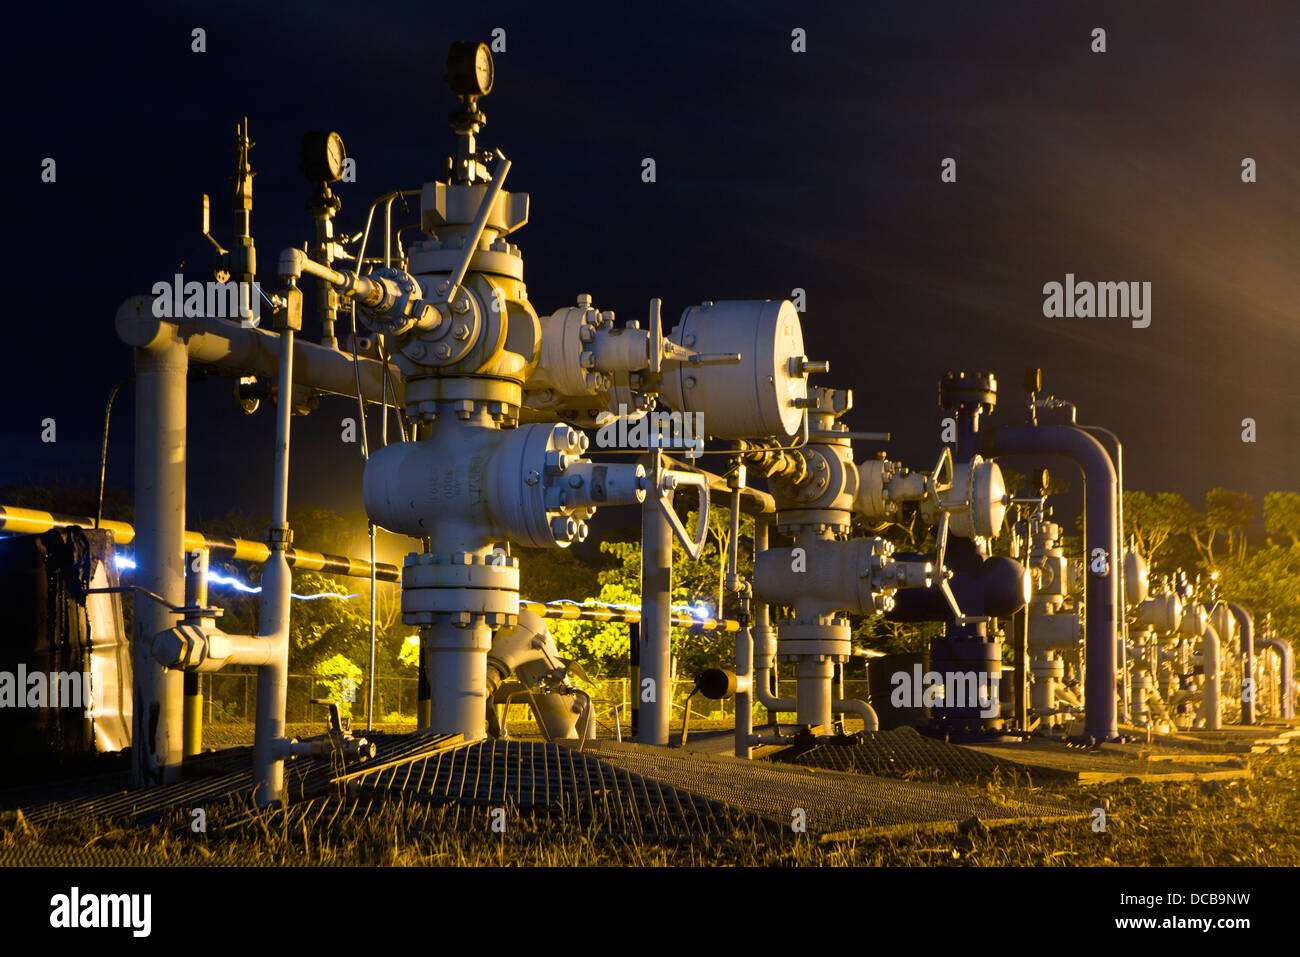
27,521
31,521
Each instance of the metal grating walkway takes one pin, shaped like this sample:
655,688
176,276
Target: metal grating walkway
304,778
833,802
552,780
608,788
905,753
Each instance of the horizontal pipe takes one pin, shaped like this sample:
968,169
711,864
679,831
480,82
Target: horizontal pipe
620,616
246,350
26,521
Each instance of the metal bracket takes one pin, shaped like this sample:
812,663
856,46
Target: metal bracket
663,483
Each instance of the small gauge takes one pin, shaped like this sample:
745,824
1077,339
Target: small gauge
469,69
322,157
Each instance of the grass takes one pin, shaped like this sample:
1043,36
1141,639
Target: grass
1213,823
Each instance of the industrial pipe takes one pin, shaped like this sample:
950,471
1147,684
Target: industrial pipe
656,620
161,366
854,706
245,350
1247,625
764,639
196,596
1282,648
273,677
1211,705
1103,561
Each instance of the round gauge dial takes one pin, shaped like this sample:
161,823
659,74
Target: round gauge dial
322,157
469,69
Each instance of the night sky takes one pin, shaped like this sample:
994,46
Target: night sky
776,170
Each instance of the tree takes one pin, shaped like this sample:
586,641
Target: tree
1227,513
1152,519
1282,515
602,647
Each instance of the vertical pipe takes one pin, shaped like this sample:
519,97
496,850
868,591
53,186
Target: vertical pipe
1020,623
1103,563
196,595
422,691
634,672
158,720
1210,661
656,610
744,696
1246,625
813,692
273,677
837,694
456,667
1286,683
370,695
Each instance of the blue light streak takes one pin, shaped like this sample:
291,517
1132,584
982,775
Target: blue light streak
216,578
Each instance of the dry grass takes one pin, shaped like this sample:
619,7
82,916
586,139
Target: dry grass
1255,822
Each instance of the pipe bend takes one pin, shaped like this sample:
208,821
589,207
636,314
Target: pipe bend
766,698
855,706
1286,655
1101,590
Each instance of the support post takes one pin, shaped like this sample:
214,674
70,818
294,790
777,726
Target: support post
196,594
656,619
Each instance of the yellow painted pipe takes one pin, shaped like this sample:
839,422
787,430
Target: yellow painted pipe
26,521
31,522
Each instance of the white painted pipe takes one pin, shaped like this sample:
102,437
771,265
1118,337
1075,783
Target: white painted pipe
656,618
813,692
744,692
253,351
273,677
457,674
1286,658
853,706
1211,705
161,366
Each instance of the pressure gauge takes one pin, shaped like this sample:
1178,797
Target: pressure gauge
322,156
469,69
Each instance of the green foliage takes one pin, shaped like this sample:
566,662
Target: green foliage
1229,514
1152,519
1282,515
602,647
1266,581
342,680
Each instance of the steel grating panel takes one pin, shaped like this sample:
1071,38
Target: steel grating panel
833,802
905,753
304,778
608,788
554,781
1105,763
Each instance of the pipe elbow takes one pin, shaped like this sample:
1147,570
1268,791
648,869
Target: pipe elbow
855,706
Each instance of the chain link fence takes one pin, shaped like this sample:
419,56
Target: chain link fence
230,697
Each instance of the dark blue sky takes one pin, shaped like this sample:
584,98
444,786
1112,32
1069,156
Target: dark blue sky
775,170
